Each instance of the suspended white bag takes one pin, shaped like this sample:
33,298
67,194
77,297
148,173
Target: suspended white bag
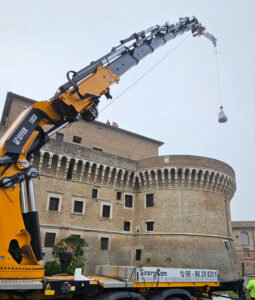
222,118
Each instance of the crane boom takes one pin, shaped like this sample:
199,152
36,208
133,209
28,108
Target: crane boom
20,247
134,48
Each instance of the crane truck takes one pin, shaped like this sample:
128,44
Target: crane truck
21,264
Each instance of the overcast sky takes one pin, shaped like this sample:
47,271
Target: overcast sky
177,102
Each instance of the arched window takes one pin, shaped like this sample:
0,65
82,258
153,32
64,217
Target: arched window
244,238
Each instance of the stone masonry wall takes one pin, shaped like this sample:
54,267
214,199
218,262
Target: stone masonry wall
191,198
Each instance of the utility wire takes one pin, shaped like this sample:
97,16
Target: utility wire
146,73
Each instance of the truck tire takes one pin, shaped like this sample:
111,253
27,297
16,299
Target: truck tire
123,295
172,294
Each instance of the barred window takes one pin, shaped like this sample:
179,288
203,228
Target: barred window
104,243
94,193
106,212
78,206
150,226
54,204
49,239
128,200
149,200
127,226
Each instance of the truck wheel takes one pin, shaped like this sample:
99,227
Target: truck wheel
124,295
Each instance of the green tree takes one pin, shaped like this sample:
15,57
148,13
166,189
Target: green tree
74,245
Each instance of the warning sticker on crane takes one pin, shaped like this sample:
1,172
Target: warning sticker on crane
152,274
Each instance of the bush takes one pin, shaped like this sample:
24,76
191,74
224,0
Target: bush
74,245
52,268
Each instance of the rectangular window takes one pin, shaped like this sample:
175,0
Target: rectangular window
59,137
150,226
54,204
77,139
138,254
149,200
118,195
49,239
127,226
246,252
94,193
78,206
128,200
104,243
106,211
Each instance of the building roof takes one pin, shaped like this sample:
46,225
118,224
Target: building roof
243,224
11,96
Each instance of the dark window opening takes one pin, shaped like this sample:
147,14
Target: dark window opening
226,243
77,139
69,174
78,206
54,203
118,195
104,243
49,239
106,211
98,149
128,200
149,200
138,254
150,226
59,137
94,193
127,226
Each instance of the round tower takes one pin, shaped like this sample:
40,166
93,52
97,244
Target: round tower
182,214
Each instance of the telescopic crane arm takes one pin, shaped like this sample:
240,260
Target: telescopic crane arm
20,248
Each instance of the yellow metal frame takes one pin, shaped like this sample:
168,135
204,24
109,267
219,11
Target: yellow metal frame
174,284
11,221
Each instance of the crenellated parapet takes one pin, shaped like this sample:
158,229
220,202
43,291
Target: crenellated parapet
186,177
162,172
83,170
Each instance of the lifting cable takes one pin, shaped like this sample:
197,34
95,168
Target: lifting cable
218,77
147,72
222,118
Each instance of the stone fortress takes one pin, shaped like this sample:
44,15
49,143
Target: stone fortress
133,207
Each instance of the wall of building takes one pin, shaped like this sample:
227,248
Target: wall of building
189,215
244,239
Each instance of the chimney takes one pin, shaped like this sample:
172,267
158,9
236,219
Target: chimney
114,124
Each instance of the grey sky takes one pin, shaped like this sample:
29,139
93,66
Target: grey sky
177,102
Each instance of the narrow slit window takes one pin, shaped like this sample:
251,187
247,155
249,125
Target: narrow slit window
138,254
94,193
127,226
104,243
